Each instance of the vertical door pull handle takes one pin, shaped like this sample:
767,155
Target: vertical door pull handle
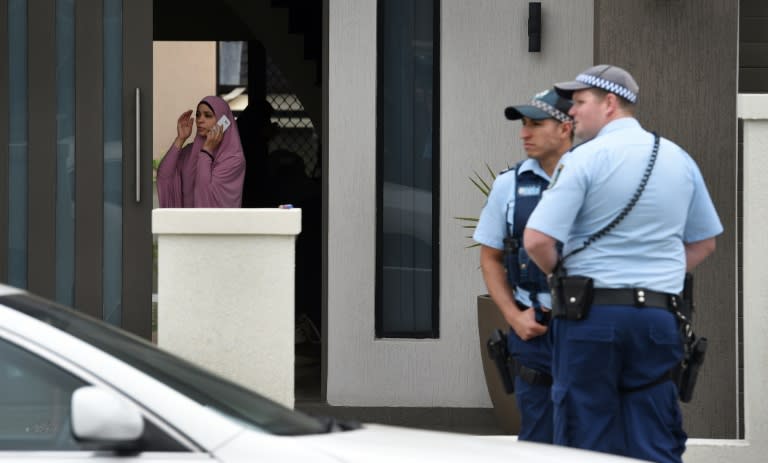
138,145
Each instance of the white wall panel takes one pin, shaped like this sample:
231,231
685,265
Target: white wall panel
485,66
184,73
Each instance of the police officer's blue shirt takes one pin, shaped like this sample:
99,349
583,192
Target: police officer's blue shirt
596,180
499,213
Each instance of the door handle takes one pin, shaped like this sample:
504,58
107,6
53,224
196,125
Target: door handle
138,145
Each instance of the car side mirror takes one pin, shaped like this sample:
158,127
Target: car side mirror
99,415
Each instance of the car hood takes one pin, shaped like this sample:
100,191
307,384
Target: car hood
379,443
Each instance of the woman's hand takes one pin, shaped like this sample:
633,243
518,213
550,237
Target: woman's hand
183,128
213,139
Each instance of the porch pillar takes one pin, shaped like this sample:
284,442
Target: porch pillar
225,293
753,110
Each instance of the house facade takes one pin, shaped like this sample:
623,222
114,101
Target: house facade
484,66
408,104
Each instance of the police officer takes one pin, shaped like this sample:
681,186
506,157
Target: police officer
611,389
517,287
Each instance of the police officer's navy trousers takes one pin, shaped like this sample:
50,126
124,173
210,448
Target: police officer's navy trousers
533,401
596,364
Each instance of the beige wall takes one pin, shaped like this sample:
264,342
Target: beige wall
485,66
184,73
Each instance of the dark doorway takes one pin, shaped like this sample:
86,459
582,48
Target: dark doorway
269,54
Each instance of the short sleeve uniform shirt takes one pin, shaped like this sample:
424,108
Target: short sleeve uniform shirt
596,180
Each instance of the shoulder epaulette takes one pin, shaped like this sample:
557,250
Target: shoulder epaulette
513,168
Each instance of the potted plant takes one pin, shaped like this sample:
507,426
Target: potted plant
489,318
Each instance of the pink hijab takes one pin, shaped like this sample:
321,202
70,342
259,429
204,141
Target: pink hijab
191,178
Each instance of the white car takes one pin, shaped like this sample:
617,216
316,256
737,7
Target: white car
75,389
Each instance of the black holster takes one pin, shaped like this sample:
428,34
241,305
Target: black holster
689,368
571,295
694,348
497,350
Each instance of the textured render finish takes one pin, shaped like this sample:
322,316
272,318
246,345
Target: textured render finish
226,301
753,109
485,66
351,201
755,289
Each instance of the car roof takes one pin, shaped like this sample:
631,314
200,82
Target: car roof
6,290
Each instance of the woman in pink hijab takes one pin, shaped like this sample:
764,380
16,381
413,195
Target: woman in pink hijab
208,172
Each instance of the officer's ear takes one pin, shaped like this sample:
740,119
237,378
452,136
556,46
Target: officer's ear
566,129
617,105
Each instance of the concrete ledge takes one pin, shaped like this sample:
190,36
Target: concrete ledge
226,221
752,106
709,444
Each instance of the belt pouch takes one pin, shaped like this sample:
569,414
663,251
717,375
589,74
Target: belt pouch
573,296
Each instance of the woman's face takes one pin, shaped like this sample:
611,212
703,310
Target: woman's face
204,119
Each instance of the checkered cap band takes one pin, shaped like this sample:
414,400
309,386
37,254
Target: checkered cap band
551,110
608,86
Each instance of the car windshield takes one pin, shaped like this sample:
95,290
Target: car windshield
192,381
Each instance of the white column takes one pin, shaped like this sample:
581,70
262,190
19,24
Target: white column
753,110
225,293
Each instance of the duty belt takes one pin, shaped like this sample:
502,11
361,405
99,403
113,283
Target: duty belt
529,375
637,297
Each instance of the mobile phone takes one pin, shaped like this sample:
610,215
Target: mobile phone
224,123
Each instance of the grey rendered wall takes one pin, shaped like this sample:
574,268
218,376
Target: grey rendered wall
485,66
684,57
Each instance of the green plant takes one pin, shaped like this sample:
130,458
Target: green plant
470,223
155,164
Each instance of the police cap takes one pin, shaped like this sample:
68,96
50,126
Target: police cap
544,105
607,77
